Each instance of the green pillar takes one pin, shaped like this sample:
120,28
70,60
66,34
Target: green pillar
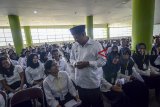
89,25
108,31
142,22
28,36
16,33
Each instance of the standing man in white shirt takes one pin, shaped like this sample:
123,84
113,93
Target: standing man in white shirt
86,60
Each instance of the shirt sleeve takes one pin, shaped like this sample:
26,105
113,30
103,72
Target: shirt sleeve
21,62
72,55
19,69
67,68
52,102
44,76
1,77
154,69
146,73
120,75
101,60
28,77
106,83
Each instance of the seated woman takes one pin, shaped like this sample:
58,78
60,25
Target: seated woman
57,86
12,77
142,65
154,55
112,65
133,85
34,71
116,95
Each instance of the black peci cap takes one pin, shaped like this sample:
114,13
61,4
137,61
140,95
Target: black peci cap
77,30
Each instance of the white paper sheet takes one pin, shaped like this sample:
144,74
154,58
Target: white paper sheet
72,103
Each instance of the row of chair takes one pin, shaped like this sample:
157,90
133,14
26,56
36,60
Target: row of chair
29,94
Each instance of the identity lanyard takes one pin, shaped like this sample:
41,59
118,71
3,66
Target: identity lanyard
127,65
126,71
143,59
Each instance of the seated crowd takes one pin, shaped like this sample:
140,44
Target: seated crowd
125,77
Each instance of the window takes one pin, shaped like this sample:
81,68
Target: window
99,33
23,36
156,30
8,37
50,35
120,32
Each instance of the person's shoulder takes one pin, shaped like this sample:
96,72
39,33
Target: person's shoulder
95,44
134,55
45,81
74,45
132,60
17,67
94,41
41,64
28,69
63,73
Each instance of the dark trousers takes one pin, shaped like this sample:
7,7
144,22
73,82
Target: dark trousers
153,83
67,98
90,97
15,85
117,99
137,92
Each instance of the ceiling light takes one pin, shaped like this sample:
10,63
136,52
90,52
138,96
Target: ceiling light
35,12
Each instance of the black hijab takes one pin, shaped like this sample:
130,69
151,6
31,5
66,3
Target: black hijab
30,61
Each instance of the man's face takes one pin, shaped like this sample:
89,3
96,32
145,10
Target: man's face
79,38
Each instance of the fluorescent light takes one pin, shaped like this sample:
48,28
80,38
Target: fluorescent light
35,12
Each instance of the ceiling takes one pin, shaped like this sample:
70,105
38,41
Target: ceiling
69,12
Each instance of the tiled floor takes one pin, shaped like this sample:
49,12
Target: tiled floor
153,102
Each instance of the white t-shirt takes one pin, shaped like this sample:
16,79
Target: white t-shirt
15,77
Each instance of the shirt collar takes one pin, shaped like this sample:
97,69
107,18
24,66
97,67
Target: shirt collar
52,78
89,42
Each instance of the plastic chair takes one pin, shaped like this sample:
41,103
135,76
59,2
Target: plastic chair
5,97
27,95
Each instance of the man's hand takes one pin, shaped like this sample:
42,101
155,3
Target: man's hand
82,64
152,74
132,78
58,105
77,98
116,88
